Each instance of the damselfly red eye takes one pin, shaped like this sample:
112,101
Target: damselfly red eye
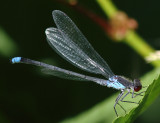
137,88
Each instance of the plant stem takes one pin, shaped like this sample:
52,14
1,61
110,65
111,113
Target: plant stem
108,7
132,38
140,46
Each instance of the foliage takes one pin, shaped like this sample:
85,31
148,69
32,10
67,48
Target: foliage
104,112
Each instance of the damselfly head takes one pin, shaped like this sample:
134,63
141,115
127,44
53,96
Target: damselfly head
137,85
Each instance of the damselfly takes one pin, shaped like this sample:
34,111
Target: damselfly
71,44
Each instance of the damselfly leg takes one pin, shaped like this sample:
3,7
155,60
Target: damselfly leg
121,98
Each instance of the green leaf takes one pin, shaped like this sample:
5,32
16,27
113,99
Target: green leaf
104,112
151,94
7,45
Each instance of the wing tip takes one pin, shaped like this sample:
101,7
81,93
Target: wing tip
47,31
56,12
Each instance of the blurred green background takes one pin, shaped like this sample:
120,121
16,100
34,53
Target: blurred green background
27,95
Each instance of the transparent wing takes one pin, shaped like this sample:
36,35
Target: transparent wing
70,43
62,75
66,74
59,72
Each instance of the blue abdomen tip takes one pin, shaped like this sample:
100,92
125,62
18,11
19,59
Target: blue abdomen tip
16,60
